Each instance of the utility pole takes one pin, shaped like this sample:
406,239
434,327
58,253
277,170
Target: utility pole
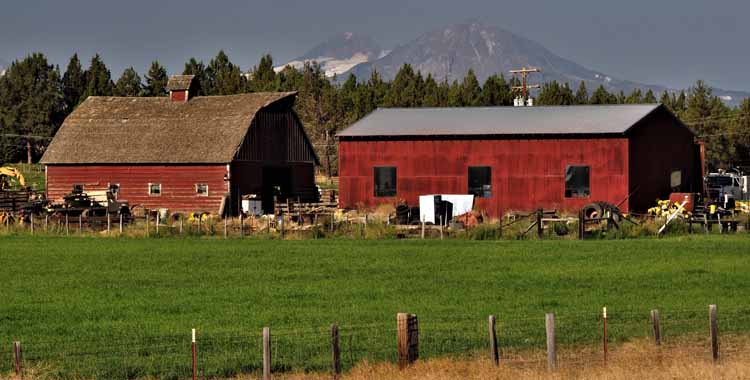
525,87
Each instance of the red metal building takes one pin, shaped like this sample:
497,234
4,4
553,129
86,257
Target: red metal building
520,158
184,153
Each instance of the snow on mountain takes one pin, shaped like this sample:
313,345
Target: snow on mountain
3,67
340,53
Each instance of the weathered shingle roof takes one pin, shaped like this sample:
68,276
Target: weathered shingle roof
180,82
488,121
114,130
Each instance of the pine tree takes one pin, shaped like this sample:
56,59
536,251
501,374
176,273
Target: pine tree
649,97
471,92
431,93
379,88
156,80
264,76
98,79
582,94
129,84
635,97
403,90
666,100
704,113
32,104
455,95
224,77
74,83
601,96
197,68
741,131
496,92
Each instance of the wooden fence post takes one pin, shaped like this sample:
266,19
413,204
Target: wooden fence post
46,223
581,225
551,349
31,218
423,222
109,223
657,326
146,223
158,221
539,223
67,228
494,353
120,223
266,353
336,352
225,227
408,339
194,349
714,332
605,339
181,221
242,225
18,359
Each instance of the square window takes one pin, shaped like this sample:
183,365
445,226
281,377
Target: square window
154,189
385,181
201,189
675,178
480,181
577,182
77,188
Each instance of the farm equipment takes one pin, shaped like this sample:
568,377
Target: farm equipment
8,175
91,205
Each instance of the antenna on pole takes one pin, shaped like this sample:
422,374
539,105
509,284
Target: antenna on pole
525,87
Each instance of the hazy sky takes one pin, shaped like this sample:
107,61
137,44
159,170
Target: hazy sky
662,42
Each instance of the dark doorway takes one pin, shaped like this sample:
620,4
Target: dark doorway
277,183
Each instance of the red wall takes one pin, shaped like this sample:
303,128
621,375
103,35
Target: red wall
177,184
526,174
178,96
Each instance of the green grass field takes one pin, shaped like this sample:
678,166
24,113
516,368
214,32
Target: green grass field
123,308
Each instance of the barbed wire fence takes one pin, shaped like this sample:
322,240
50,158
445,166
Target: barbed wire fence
521,341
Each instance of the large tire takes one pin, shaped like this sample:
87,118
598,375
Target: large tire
592,211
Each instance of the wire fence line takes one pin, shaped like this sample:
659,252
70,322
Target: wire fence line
224,354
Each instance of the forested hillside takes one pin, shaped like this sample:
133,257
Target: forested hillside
36,96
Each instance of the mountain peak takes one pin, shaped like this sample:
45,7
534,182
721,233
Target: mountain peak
340,53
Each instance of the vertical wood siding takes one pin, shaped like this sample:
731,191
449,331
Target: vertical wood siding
526,174
277,137
177,184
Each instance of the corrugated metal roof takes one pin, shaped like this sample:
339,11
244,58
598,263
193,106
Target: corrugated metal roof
553,120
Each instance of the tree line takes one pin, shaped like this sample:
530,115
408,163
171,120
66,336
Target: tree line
35,98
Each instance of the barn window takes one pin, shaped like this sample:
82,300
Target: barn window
77,188
675,178
385,181
154,189
201,189
480,181
577,182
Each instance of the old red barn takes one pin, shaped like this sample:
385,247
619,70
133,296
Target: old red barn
184,153
519,158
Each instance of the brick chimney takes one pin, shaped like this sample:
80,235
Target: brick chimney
181,88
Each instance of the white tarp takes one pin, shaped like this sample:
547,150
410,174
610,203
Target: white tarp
462,203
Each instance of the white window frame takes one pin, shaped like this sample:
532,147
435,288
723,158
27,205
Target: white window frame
150,194
83,187
197,185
